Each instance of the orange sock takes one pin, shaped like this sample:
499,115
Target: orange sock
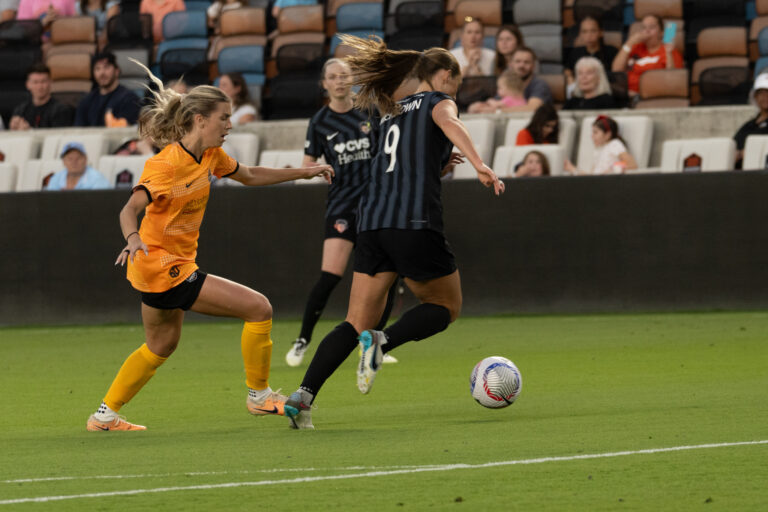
257,353
135,372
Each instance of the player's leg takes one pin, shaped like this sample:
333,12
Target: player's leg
162,328
336,253
222,297
366,303
388,358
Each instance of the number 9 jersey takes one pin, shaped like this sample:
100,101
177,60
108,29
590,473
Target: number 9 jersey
404,189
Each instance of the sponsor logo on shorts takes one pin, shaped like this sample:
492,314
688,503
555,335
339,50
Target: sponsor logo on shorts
174,271
192,278
341,225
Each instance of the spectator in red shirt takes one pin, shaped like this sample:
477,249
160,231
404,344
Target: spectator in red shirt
544,127
645,50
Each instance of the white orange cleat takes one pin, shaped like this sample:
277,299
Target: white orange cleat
273,404
119,423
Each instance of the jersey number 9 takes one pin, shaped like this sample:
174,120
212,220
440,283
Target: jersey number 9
390,146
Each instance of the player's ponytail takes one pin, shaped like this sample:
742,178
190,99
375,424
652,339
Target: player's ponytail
170,115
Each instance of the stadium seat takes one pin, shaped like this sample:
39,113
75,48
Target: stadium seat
566,137
696,26
21,33
332,9
131,75
7,177
556,83
244,147
299,24
755,27
18,148
637,132
111,166
245,26
73,34
710,154
129,30
664,88
15,60
182,30
606,10
417,25
95,145
507,157
191,64
358,19
293,96
70,73
197,5
755,153
281,158
30,177
540,22
666,9
529,12
482,132
489,11
725,85
248,60
718,47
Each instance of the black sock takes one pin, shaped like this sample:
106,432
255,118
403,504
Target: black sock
388,307
331,352
421,322
316,302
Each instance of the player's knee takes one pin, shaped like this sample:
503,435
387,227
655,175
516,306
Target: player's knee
259,309
454,308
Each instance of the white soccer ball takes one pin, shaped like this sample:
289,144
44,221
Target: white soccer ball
495,382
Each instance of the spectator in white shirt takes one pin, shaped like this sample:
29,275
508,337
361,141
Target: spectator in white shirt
473,58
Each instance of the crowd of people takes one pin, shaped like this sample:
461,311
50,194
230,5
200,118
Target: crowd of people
519,87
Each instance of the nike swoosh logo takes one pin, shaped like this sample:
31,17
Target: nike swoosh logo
268,411
190,183
331,136
101,428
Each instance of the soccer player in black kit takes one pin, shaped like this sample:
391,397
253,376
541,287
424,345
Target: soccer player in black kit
400,225
344,136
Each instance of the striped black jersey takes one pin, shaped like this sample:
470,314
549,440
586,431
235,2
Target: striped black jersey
404,189
346,142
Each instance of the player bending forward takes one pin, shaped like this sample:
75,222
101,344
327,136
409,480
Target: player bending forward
400,225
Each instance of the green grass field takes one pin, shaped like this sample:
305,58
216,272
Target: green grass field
611,385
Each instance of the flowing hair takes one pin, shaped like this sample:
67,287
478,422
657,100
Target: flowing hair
170,115
379,71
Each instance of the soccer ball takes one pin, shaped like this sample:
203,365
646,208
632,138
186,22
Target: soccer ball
495,382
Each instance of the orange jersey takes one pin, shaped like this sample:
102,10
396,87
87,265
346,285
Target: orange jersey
178,187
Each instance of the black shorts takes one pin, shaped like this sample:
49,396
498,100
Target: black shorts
181,296
418,254
343,225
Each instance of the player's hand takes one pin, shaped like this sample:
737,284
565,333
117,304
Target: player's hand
488,178
324,170
135,244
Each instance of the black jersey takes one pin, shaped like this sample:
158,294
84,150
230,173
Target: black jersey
404,190
346,141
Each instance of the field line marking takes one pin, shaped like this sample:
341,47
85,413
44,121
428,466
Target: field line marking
370,474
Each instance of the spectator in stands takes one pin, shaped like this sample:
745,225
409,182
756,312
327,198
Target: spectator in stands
474,59
77,174
757,125
509,89
101,10
645,50
109,100
536,92
8,9
234,86
158,9
508,39
544,127
592,90
534,164
280,4
611,153
47,11
591,38
41,110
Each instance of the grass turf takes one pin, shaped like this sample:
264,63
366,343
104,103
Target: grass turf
591,384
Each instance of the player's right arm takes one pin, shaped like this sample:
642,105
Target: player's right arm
129,224
445,116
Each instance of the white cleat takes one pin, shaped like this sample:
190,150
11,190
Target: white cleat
389,359
371,357
296,354
298,412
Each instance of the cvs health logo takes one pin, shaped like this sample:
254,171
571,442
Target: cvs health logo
352,145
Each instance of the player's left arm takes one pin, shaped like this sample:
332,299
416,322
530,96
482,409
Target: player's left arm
255,176
445,115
